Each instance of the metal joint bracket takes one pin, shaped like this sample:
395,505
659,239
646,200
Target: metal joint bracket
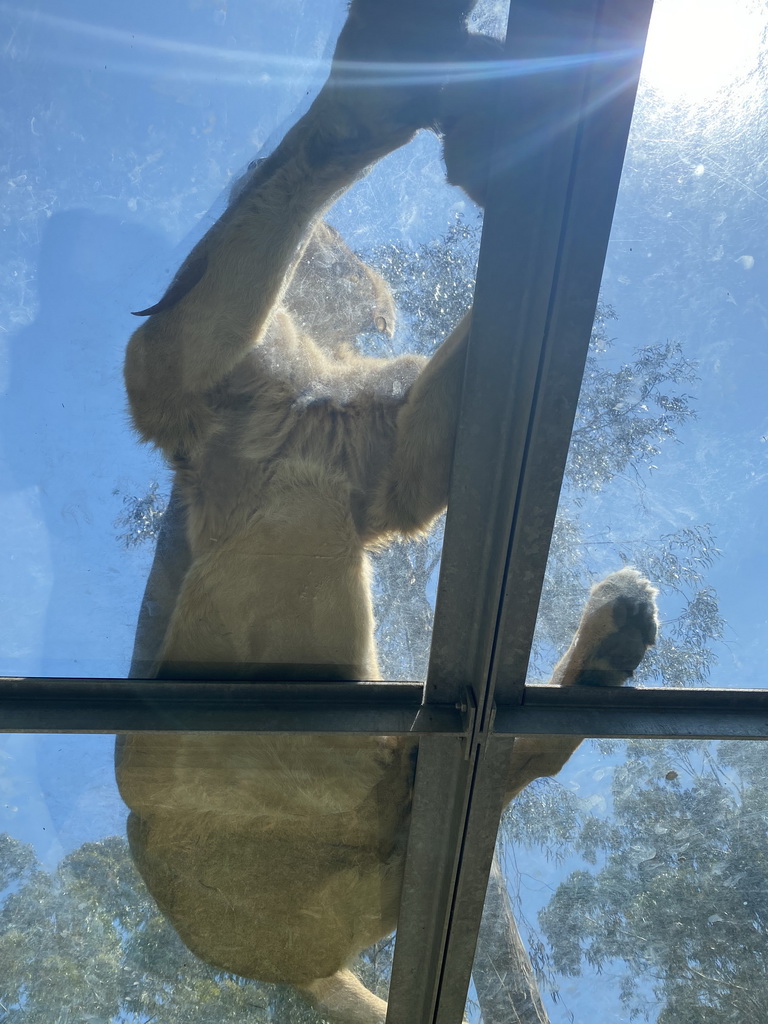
468,709
485,729
479,727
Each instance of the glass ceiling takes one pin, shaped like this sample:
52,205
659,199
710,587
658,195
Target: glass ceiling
128,127
667,468
124,134
638,882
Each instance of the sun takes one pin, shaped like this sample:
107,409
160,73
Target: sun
698,47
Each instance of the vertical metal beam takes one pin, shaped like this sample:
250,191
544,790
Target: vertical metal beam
478,842
555,172
596,155
440,799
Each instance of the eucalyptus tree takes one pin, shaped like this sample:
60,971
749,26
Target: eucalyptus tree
674,890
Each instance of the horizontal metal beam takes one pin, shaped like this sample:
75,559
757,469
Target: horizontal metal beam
112,705
643,713
647,698
63,705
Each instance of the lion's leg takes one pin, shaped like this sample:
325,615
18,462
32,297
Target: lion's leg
344,999
414,486
617,627
227,289
223,297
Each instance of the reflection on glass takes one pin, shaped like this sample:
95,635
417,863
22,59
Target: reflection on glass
122,134
276,859
667,467
229,879
638,880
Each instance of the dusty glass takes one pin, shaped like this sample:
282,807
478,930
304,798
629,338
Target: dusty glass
81,938
633,887
126,132
667,462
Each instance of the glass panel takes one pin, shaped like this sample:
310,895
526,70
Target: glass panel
667,462
278,857
126,130
636,884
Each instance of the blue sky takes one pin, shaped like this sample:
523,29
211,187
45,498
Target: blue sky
126,124
128,129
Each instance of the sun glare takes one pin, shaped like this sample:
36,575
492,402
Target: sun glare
697,47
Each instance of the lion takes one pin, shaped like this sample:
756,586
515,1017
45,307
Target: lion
280,857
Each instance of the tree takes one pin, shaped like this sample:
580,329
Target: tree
678,891
86,943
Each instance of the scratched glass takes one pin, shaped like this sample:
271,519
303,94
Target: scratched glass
126,132
667,465
95,929
632,887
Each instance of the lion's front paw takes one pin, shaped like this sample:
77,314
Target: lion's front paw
394,60
618,626
468,115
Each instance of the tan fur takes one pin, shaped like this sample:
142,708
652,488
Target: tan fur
280,857
350,1000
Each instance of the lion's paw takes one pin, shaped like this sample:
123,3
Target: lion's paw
619,624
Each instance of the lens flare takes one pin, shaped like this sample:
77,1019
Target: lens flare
698,47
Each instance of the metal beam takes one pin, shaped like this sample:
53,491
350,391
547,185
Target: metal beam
434,848
116,705
556,168
478,842
595,159
644,713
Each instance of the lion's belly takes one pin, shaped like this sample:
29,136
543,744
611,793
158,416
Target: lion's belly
286,597
277,858
271,908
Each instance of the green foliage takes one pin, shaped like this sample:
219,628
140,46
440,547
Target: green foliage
86,943
141,517
404,629
684,654
546,817
625,415
680,898
433,284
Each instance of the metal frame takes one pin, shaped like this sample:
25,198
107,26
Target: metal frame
51,705
546,232
535,301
